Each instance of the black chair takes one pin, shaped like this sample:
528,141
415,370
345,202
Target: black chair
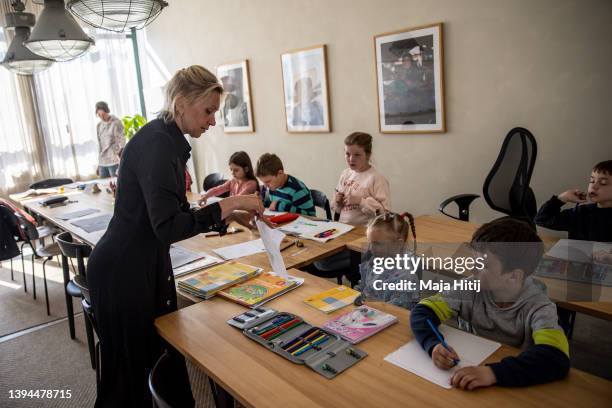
49,183
30,232
90,324
214,180
72,249
506,187
158,380
320,200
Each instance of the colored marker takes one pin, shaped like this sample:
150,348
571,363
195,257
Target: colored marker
326,234
439,336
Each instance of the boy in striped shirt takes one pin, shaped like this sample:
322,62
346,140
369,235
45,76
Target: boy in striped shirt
285,192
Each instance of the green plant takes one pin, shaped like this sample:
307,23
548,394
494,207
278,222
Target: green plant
131,125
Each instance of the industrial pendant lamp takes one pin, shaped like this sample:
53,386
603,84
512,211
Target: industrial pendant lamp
117,15
57,35
18,58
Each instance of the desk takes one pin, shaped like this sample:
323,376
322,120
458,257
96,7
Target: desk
433,230
259,378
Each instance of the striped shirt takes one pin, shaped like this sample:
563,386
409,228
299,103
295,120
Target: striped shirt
293,197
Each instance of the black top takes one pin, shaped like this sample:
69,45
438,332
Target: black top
586,222
129,271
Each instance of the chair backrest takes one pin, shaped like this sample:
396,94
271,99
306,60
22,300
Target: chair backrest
159,381
28,228
212,180
73,249
51,183
506,188
320,200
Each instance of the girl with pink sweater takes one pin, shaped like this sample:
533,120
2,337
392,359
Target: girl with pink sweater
243,179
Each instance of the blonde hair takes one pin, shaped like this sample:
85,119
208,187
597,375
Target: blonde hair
192,83
396,224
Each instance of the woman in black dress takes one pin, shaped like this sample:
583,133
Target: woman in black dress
129,272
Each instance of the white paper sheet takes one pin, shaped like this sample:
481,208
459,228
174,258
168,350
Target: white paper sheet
270,213
577,250
272,239
239,250
308,229
472,351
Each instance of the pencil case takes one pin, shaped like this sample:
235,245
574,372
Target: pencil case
53,200
298,341
280,219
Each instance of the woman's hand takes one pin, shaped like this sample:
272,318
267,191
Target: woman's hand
572,196
244,218
250,202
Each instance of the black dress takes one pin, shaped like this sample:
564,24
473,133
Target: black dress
129,272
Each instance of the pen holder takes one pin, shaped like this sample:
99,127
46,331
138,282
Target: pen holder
298,341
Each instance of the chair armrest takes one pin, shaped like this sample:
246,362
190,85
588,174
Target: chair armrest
463,201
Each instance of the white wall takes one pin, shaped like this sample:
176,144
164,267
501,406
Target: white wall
541,64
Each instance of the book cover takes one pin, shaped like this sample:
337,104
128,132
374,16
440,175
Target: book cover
260,289
332,299
359,324
208,282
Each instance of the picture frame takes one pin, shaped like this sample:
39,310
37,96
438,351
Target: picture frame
236,110
410,80
306,95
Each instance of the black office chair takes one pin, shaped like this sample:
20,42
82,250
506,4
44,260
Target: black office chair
506,187
72,249
320,200
50,183
214,180
30,235
9,236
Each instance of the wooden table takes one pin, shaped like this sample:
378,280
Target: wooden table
259,378
432,230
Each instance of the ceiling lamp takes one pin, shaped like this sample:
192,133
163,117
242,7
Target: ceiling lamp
18,58
57,35
117,15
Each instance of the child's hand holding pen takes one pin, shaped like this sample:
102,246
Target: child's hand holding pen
444,358
338,198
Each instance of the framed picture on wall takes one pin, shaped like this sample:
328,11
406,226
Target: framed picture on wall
305,90
236,106
410,80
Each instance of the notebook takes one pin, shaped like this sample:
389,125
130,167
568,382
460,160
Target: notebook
472,351
261,289
332,299
361,323
194,266
207,283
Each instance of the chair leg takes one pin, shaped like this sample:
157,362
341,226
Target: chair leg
12,278
33,279
25,284
70,315
90,340
45,282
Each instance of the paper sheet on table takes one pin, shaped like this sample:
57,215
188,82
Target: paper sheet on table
179,255
577,250
77,214
239,250
472,350
270,213
272,239
308,229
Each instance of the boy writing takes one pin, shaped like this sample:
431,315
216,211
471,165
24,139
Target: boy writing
285,192
512,308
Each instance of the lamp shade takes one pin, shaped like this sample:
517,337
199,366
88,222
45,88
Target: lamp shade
57,35
116,15
18,58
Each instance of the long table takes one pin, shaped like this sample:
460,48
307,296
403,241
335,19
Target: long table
444,232
257,377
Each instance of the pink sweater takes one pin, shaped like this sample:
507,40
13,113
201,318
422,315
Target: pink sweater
371,189
234,188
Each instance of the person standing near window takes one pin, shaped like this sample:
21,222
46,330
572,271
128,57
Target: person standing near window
110,140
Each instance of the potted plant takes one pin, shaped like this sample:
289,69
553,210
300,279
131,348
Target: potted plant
131,125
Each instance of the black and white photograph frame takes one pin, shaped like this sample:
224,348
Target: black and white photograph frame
410,80
236,108
305,90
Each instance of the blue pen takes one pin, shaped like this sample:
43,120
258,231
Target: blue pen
439,336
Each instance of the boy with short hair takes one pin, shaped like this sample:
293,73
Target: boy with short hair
511,308
590,222
285,192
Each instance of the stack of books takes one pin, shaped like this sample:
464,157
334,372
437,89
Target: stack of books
261,289
207,283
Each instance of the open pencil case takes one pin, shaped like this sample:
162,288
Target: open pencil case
298,341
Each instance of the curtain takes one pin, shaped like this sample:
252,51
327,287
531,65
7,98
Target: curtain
67,94
22,156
